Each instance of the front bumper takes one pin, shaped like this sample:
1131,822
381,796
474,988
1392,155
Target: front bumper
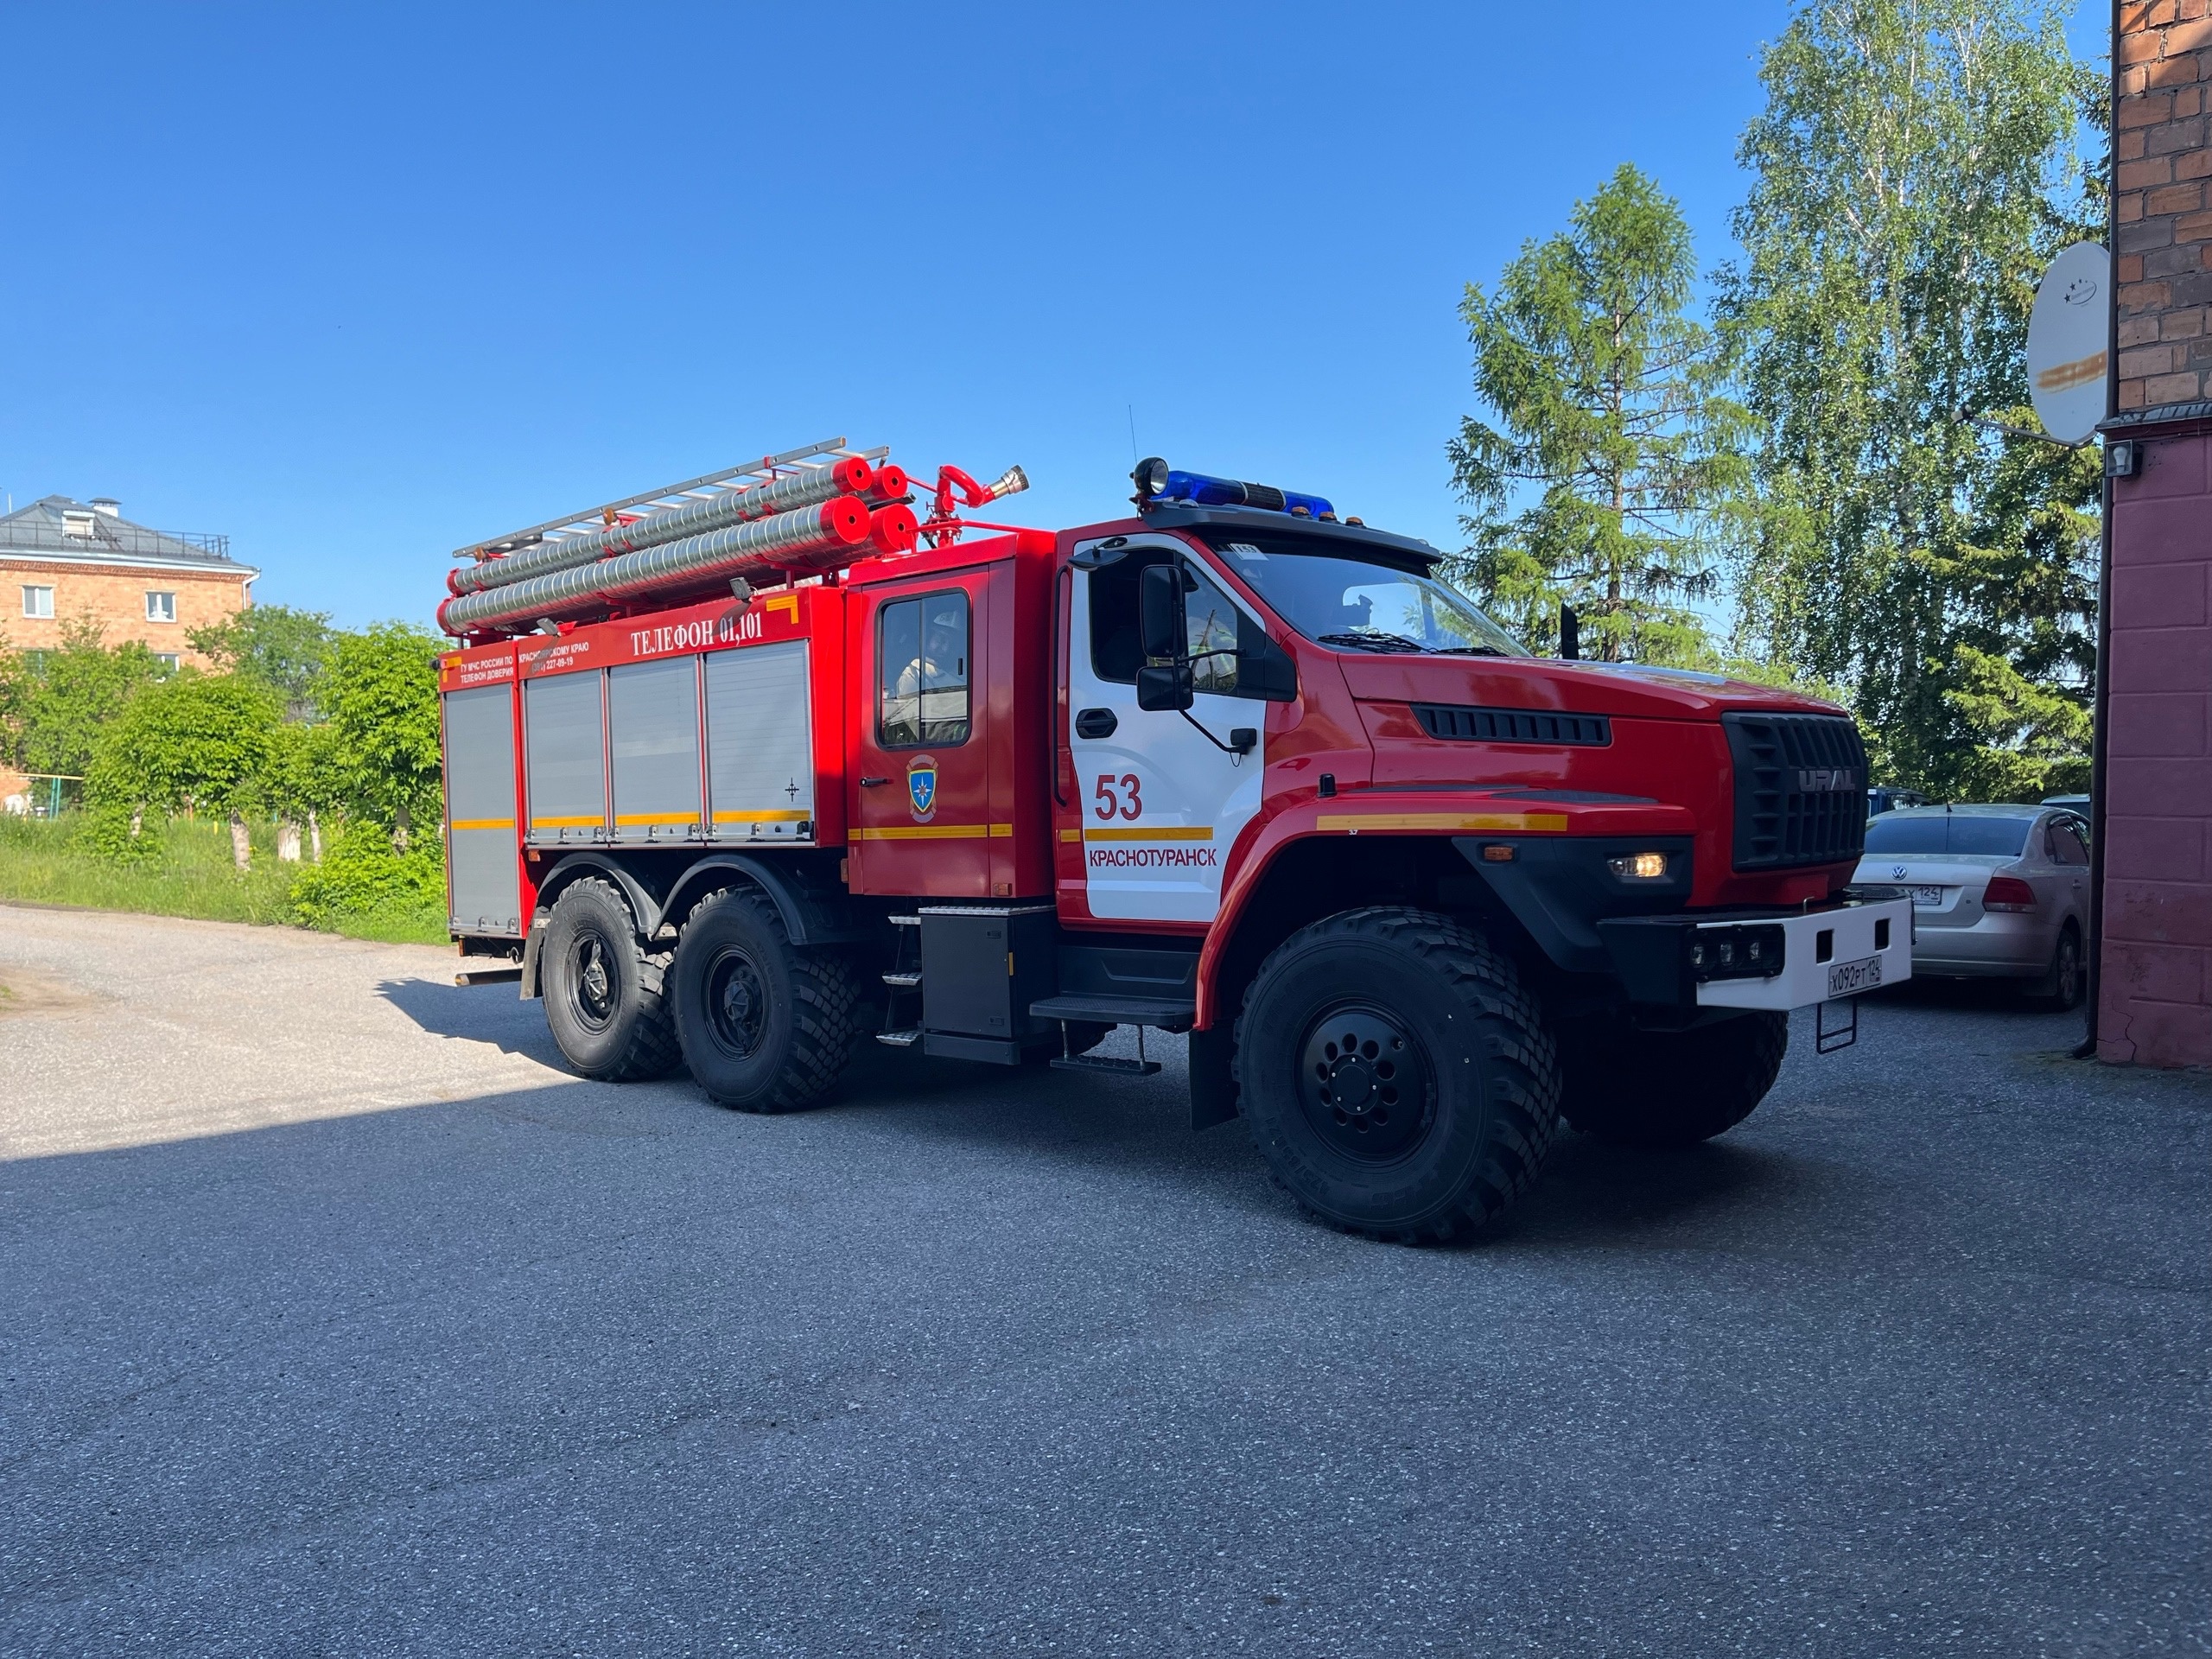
1776,959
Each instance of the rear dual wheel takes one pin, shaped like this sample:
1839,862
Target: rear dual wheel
603,989
765,1025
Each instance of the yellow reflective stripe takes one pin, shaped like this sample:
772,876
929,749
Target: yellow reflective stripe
779,815
932,831
481,823
1071,835
566,823
787,603
656,817
1356,822
1001,831
1163,832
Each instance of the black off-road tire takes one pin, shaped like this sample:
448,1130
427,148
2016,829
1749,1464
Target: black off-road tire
1654,1088
1413,1025
765,1025
603,991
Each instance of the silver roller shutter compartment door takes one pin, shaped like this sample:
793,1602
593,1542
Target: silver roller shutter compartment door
567,752
760,747
654,711
481,811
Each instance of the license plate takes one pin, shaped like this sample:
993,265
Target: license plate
1849,978
1926,898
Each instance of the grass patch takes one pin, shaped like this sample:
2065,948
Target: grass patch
45,860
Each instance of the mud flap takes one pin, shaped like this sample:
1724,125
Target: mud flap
1213,1091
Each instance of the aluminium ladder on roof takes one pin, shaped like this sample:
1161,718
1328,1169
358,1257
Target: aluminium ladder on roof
812,457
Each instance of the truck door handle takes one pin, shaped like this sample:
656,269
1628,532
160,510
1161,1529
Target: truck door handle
870,783
1095,722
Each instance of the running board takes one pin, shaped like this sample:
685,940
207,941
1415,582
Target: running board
1172,1014
1105,1063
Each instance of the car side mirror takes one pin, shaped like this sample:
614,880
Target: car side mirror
1161,631
1165,687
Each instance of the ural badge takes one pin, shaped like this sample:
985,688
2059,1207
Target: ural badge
921,787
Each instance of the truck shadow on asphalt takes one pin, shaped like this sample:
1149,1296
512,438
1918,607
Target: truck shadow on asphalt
479,1013
1591,1193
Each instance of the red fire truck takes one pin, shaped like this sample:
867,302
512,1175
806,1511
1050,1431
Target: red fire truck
742,774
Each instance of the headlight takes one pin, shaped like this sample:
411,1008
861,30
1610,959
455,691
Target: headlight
1752,951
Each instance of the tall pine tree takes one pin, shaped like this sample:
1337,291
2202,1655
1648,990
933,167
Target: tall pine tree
1611,434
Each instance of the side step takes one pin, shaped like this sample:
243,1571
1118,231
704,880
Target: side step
903,982
901,1038
1103,1063
1172,1014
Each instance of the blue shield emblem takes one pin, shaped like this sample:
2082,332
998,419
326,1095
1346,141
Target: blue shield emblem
921,786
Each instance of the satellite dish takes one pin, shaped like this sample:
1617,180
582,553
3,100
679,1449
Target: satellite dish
2069,342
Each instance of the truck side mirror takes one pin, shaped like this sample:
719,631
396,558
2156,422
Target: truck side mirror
1162,631
1164,686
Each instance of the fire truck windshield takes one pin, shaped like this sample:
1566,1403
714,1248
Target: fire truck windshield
1340,600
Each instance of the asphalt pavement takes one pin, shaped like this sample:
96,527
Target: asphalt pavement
336,1319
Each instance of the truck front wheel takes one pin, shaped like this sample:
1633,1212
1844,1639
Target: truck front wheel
1671,1087
1397,1076
602,992
766,1026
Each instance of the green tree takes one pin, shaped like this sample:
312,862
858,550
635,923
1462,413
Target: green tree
201,741
380,694
1914,169
74,693
1609,410
282,648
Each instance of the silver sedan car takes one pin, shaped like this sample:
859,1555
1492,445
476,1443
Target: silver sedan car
1998,891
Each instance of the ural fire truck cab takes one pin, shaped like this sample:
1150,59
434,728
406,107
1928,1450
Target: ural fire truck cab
1228,766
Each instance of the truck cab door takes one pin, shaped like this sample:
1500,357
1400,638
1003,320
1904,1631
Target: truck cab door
920,805
1160,797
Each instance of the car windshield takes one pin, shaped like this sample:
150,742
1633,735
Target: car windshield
1946,832
1356,603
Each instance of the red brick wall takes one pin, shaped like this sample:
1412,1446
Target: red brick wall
115,597
2154,1001
2163,202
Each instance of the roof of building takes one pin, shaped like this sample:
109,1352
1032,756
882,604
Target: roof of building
56,529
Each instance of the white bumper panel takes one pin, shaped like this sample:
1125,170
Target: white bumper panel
1814,970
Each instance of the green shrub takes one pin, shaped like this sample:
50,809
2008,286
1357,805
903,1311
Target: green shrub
360,875
104,832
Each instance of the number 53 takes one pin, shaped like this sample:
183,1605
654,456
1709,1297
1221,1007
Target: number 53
1109,803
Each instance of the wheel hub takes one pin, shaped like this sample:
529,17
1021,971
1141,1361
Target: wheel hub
595,982
737,1004
1365,1082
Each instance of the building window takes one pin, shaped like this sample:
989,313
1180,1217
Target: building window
167,660
160,607
37,601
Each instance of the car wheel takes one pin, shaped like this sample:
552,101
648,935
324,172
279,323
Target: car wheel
2062,984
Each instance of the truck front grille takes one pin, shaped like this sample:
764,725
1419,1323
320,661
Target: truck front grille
1801,788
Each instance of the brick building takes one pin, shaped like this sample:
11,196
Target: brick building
62,560
2155,997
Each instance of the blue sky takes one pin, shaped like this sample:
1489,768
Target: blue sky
358,287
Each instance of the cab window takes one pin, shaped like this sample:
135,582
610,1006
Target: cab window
1215,628
922,654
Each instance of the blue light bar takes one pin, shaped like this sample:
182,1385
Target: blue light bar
1202,491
